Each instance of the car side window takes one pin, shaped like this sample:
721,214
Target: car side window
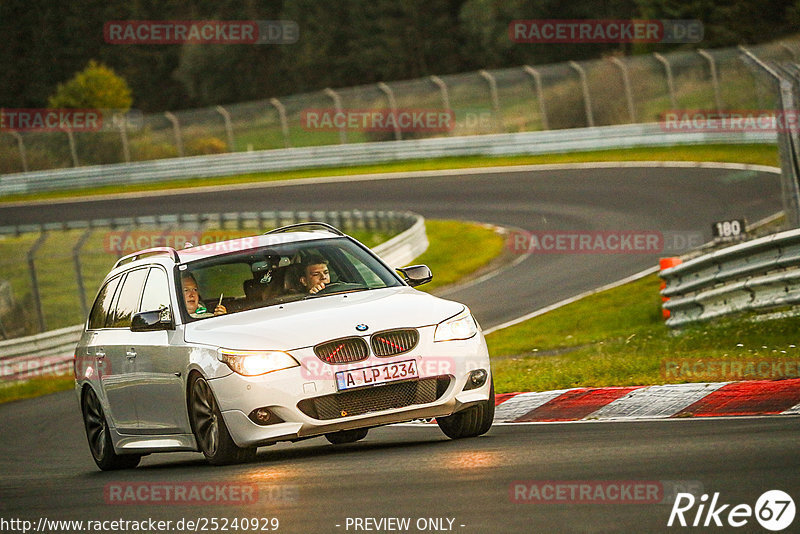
102,304
156,291
128,301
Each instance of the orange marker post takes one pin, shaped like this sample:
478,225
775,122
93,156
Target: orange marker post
666,263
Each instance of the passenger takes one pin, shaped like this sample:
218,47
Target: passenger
191,296
315,275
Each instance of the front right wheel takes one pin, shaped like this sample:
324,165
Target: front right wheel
209,428
473,421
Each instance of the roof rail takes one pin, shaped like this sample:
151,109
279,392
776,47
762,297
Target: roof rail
291,227
148,252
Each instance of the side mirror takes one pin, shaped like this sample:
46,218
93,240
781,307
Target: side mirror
149,321
416,275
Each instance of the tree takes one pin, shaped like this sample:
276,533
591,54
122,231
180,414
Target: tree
96,87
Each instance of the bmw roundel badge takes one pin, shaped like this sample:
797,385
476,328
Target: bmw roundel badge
362,327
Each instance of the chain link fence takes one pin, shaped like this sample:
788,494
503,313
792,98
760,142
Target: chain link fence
609,91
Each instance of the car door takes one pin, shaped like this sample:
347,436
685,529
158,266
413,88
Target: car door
90,357
115,367
160,361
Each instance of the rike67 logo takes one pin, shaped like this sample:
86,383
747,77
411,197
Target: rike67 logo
774,510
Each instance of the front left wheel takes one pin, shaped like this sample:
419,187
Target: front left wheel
469,423
99,437
213,438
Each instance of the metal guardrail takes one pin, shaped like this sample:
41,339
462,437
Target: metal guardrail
758,275
526,143
52,353
347,220
404,247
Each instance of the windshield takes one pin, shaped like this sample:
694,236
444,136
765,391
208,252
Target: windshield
277,274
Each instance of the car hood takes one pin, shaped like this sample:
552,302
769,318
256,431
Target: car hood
306,323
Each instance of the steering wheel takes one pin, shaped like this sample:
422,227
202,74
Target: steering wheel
335,287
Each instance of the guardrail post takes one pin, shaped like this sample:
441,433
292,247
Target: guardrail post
444,95
537,79
21,145
626,82
73,149
670,82
337,104
122,124
493,95
587,101
712,65
37,301
492,88
176,128
284,123
76,260
393,106
228,127
788,49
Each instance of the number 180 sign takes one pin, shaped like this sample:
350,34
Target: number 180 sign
729,230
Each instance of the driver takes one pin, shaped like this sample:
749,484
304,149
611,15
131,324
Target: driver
191,297
315,274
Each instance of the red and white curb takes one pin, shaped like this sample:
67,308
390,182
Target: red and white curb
757,397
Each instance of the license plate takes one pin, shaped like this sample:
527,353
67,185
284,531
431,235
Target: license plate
377,374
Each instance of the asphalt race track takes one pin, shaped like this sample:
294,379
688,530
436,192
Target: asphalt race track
413,471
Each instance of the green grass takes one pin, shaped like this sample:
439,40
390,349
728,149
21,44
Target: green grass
618,338
35,388
749,153
445,255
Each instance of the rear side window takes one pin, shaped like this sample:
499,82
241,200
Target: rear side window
156,291
102,304
128,301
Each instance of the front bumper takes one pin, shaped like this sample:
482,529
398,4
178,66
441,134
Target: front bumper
301,397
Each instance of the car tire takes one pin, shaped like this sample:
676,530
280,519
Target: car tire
99,436
347,436
208,426
469,423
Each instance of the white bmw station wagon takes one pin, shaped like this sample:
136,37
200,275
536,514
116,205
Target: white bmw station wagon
300,332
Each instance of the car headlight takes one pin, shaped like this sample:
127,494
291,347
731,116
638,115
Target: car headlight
461,326
256,362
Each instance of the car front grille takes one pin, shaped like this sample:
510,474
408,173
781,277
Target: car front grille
375,398
392,342
345,350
